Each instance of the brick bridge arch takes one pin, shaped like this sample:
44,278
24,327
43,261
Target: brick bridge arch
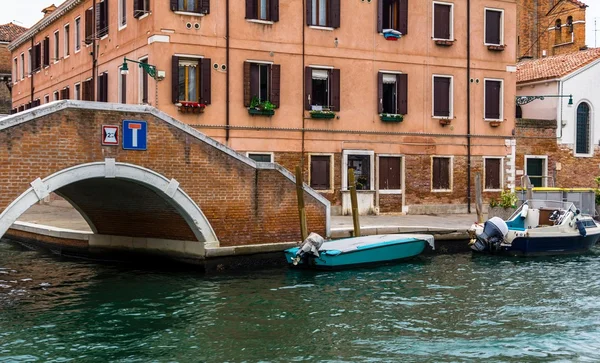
184,187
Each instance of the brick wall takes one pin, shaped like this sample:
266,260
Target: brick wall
244,205
5,70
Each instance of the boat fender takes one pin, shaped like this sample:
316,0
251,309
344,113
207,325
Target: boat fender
581,228
524,211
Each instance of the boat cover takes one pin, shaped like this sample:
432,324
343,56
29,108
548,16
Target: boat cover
351,244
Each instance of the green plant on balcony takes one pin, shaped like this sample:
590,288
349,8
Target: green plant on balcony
258,107
391,117
322,114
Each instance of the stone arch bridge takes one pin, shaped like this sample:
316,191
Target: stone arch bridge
143,180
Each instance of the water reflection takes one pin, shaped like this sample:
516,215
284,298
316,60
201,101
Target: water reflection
434,309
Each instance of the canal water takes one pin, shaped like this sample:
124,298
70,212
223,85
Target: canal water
446,308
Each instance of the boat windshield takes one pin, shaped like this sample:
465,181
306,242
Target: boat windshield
545,204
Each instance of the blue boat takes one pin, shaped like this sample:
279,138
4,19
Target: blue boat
356,251
537,228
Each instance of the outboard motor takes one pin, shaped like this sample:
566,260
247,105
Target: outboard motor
494,232
310,246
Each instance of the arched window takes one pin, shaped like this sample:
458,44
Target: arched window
582,136
570,24
519,112
558,32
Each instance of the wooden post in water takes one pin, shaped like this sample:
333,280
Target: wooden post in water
354,201
301,211
478,198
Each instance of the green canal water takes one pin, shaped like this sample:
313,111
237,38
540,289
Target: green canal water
447,308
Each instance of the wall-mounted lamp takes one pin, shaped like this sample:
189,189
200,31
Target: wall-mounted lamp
148,68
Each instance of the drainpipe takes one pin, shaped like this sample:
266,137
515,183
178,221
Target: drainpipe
468,106
227,72
94,54
303,80
31,74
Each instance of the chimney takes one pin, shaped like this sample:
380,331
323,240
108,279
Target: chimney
48,10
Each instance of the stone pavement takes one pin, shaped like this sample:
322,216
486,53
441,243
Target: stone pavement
60,214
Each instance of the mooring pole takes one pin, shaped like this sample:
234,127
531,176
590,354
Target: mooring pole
354,201
301,211
478,198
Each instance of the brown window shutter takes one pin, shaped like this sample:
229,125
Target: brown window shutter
307,88
46,52
274,10
275,84
254,81
138,8
100,88
67,94
84,91
174,5
175,79
205,96
308,12
492,173
441,96
492,27
383,173
38,55
105,13
89,25
105,87
402,94
435,173
334,13
123,88
379,16
441,21
403,17
335,89
320,172
205,6
251,11
380,89
247,90
445,173
492,99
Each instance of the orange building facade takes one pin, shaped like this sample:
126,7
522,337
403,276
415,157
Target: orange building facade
390,88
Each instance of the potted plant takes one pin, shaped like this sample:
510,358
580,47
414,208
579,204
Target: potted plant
444,42
496,48
504,207
258,107
445,121
391,117
190,107
326,114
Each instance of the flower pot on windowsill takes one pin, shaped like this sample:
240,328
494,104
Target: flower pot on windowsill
257,111
496,48
495,123
445,121
322,114
444,42
190,107
390,117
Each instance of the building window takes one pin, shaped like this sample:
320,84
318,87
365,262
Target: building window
361,164
570,24
443,21
22,68
390,173
582,139
77,35
191,6
392,14
261,157
65,94
441,173
323,13
141,8
191,80
261,83
558,32
442,96
122,87
56,46
88,90
493,99
67,46
15,70
267,10
89,26
47,99
494,27
102,87
322,89
102,19
393,93
320,172
492,169
46,52
55,96
37,57
536,168
78,91
122,13
143,83
29,61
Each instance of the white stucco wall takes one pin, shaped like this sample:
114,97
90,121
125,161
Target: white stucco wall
584,85
540,109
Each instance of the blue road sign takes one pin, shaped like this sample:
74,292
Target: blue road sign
135,135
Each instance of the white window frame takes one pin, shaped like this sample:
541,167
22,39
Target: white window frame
16,70
56,49
270,153
485,10
451,171
485,158
66,42
55,96
29,62
545,168
451,20
46,98
120,15
140,84
331,171
22,67
345,154
77,91
402,169
501,98
77,35
433,76
591,131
